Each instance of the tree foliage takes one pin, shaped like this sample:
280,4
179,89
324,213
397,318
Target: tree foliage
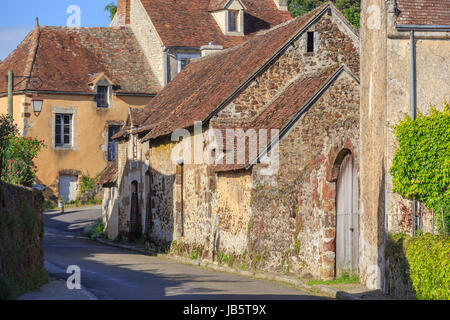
17,154
112,9
350,8
421,165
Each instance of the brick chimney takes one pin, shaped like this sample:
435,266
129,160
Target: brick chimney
281,4
123,11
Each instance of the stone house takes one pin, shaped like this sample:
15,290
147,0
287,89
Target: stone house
87,78
405,69
277,207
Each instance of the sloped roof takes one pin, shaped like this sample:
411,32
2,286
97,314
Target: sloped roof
109,176
66,59
208,83
217,4
424,12
282,112
188,23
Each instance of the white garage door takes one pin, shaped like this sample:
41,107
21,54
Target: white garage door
68,188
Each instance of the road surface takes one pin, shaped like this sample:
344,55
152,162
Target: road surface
112,273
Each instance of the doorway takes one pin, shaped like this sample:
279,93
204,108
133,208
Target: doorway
347,224
68,188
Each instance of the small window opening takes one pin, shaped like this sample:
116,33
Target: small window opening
310,47
102,97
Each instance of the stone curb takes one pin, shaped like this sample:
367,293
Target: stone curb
328,291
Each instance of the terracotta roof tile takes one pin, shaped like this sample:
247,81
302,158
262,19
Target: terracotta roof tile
188,23
277,116
424,12
67,59
205,84
110,174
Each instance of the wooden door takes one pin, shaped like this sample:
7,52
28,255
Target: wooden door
68,188
347,224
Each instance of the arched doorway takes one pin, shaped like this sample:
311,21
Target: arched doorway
347,224
135,217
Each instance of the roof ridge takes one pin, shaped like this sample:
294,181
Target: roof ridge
34,55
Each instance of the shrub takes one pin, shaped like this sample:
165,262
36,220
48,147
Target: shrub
95,230
429,261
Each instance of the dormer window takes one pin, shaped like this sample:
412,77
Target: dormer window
232,20
229,15
103,88
102,97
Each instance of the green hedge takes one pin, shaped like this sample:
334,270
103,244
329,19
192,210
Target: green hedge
429,262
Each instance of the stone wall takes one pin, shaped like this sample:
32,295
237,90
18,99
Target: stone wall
149,40
293,214
334,46
21,236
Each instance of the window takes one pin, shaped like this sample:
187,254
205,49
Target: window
63,123
184,59
310,46
184,62
112,145
102,97
232,21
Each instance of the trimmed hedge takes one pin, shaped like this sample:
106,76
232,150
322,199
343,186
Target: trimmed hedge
429,262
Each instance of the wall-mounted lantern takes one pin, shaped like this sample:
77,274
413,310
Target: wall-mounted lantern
37,103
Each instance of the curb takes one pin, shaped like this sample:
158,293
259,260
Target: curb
328,291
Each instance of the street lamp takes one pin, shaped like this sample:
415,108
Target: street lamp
37,103
32,81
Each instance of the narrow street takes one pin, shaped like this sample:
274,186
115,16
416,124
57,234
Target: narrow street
111,273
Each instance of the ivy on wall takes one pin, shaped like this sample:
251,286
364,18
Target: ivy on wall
421,165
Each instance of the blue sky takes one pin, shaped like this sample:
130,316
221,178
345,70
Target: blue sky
17,18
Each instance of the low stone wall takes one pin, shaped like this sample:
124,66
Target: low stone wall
21,237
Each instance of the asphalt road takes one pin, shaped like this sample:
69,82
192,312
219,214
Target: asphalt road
112,273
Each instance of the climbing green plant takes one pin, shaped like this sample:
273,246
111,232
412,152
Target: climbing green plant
421,165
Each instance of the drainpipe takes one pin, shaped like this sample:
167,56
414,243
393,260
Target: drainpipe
413,98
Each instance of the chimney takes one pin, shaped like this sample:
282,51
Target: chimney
281,4
210,49
123,11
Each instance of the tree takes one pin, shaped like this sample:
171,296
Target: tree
350,8
112,9
421,165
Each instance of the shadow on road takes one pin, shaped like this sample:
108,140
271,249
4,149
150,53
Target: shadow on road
113,273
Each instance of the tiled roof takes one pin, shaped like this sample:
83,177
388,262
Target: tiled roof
217,4
188,23
110,174
67,59
207,83
279,114
424,12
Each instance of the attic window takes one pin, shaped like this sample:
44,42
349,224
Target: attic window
310,45
102,97
232,20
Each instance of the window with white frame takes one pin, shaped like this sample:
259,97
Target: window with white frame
63,130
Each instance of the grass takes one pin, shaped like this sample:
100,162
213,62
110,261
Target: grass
344,279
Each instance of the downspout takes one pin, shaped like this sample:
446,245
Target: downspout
413,98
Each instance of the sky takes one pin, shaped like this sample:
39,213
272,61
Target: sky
18,17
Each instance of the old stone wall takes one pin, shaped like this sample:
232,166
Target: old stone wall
149,40
293,214
21,236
